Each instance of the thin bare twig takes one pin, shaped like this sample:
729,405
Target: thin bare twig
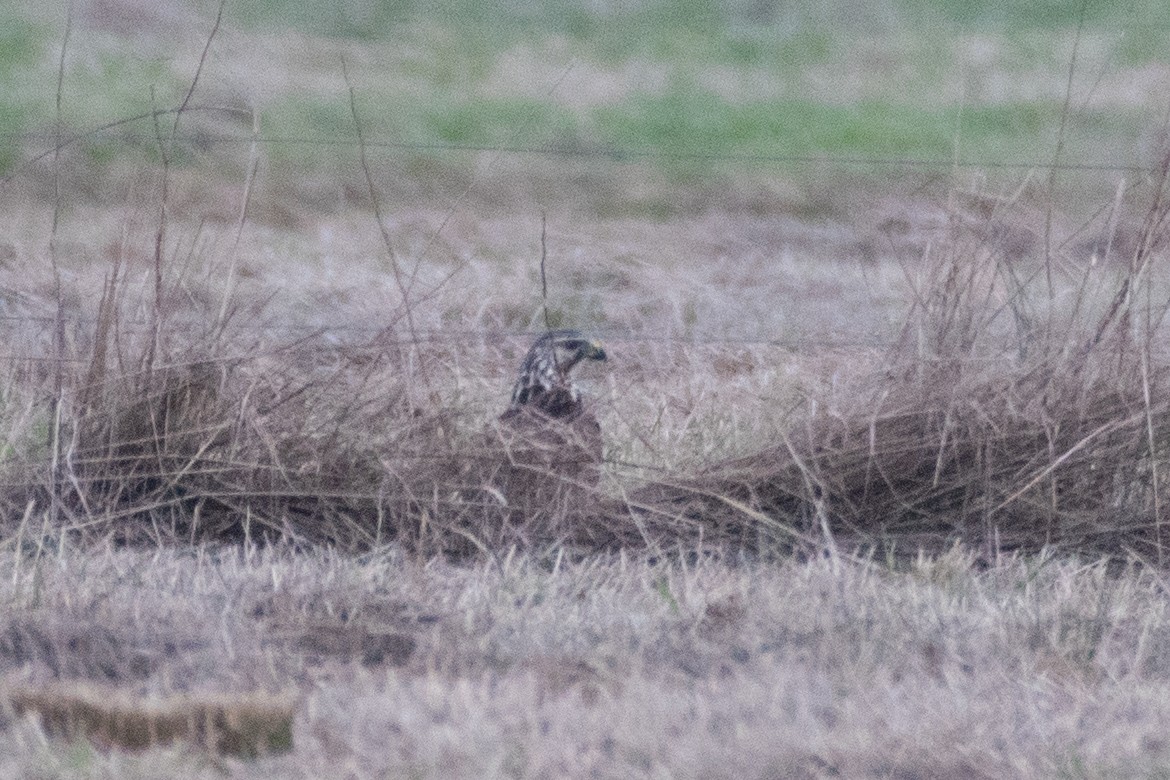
198,69
375,202
543,276
160,231
1052,171
245,198
59,320
165,147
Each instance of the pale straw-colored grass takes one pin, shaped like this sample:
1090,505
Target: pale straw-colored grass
615,667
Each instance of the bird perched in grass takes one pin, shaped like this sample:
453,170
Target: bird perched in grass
545,384
546,449
537,466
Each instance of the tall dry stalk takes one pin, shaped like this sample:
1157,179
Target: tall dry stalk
55,444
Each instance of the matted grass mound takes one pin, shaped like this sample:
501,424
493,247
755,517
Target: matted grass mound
960,440
1024,407
1002,459
308,443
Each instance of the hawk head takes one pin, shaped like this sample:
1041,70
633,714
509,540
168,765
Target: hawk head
544,384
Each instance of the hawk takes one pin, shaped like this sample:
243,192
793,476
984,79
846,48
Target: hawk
544,385
546,448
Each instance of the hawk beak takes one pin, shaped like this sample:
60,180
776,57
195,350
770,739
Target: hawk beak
596,351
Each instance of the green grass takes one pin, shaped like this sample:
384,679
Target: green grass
309,117
113,86
381,18
693,123
20,41
496,121
662,84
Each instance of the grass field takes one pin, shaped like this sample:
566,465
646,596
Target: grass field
612,668
885,414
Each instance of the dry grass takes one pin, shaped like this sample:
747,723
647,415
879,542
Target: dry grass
689,642
1016,410
244,464
217,421
613,667
246,726
1020,406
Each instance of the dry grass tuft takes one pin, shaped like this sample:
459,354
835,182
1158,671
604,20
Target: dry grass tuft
1000,460
1012,415
1015,412
244,725
1024,404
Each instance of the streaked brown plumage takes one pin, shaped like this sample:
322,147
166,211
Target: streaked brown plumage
545,384
547,445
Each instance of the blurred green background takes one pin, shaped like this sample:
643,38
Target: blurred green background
623,100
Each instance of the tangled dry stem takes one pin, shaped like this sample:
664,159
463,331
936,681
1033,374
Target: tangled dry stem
1002,419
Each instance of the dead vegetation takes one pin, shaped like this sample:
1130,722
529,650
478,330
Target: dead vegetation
617,665
1024,405
1010,416
238,461
246,726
